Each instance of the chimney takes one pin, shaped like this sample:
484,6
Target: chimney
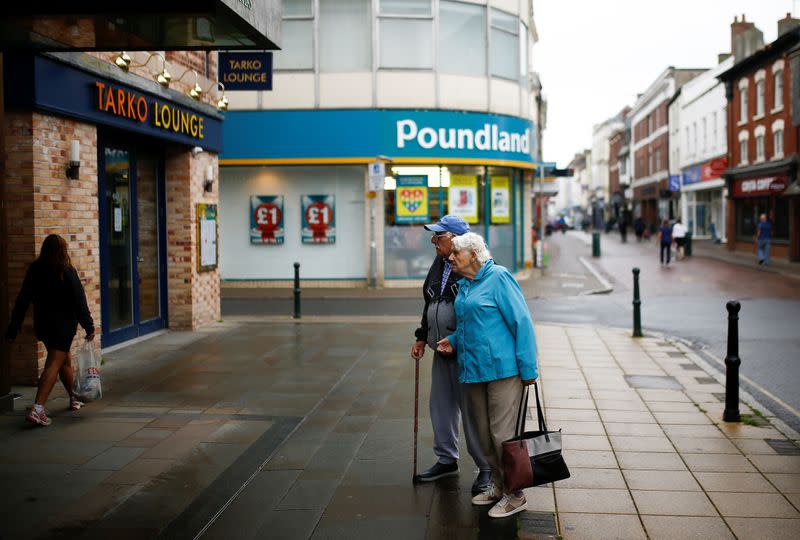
787,24
745,38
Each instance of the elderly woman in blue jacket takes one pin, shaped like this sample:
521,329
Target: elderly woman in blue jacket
496,351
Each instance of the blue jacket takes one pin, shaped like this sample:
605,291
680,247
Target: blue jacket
494,336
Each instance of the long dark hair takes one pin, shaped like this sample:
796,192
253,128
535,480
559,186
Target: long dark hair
54,256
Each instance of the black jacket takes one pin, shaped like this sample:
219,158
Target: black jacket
59,304
438,305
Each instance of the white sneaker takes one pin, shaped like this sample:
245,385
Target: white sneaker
508,506
490,495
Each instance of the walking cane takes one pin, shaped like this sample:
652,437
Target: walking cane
416,415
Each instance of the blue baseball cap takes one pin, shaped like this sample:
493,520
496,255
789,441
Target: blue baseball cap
449,223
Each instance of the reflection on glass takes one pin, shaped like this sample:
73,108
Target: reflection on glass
118,228
147,230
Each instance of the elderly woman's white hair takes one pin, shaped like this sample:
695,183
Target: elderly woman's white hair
473,242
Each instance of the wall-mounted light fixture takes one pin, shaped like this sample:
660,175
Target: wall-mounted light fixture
222,102
196,92
74,166
123,61
163,77
208,184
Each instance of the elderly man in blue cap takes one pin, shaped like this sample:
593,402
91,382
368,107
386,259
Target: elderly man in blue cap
448,403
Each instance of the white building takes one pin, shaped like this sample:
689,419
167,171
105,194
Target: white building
441,91
698,144
601,133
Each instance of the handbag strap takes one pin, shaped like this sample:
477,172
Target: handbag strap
523,406
539,414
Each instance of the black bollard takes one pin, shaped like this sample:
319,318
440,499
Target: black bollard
297,290
732,362
637,304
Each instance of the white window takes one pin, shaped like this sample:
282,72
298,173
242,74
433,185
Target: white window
504,56
777,144
759,147
744,137
462,38
778,98
688,142
406,34
345,35
694,137
297,32
714,130
704,135
760,98
523,53
743,104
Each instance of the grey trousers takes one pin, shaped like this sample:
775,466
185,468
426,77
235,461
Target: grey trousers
495,406
448,405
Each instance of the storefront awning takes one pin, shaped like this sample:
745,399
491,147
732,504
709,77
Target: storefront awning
91,25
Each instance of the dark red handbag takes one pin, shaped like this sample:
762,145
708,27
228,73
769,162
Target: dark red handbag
532,458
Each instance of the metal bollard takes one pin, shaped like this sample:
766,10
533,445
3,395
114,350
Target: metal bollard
297,290
595,244
732,363
637,306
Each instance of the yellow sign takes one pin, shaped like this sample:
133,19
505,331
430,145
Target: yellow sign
501,201
463,197
411,199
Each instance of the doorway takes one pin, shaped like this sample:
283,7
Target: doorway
132,241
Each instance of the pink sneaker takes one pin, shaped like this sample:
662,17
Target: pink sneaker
38,417
75,404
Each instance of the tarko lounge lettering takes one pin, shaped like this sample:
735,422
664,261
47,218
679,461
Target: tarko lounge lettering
128,104
489,137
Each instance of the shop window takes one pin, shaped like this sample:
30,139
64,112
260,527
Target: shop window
501,217
780,216
345,35
504,45
778,86
462,38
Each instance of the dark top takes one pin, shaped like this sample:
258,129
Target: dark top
59,304
666,234
431,293
764,230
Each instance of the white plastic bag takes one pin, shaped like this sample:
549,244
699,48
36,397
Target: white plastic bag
87,378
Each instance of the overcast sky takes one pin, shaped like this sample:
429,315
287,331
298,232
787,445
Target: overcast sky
594,56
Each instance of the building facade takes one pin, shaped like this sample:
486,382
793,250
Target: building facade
699,152
653,199
437,95
601,164
762,144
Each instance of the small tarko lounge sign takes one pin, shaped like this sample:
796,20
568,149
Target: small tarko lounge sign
129,104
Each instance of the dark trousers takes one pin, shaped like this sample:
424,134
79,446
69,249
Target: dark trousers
665,247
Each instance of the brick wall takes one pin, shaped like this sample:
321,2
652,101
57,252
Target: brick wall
42,201
193,295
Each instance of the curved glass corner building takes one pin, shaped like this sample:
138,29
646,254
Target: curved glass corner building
440,92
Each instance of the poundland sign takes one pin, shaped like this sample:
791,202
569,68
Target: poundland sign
489,137
254,136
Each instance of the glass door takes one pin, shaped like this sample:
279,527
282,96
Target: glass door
132,242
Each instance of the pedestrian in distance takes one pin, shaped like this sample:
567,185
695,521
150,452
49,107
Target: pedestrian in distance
665,240
623,228
496,348
638,228
679,237
448,398
763,239
59,304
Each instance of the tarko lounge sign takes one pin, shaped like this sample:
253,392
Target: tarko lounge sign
129,104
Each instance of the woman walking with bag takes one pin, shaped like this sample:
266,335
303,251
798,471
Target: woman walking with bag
496,351
59,304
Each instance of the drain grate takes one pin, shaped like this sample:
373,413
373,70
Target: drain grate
705,380
675,354
537,523
691,367
783,447
656,382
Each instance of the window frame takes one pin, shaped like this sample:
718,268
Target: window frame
380,17
299,18
777,77
491,26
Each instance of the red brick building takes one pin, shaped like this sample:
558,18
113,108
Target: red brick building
652,198
763,144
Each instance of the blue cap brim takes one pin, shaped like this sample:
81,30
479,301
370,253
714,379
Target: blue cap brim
435,227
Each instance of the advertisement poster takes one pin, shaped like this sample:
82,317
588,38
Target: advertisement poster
411,204
463,197
266,219
207,228
319,219
501,201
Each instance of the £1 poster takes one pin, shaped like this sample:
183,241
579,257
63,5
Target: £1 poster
266,219
319,219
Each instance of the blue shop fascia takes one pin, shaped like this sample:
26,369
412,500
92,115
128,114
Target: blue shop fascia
280,165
